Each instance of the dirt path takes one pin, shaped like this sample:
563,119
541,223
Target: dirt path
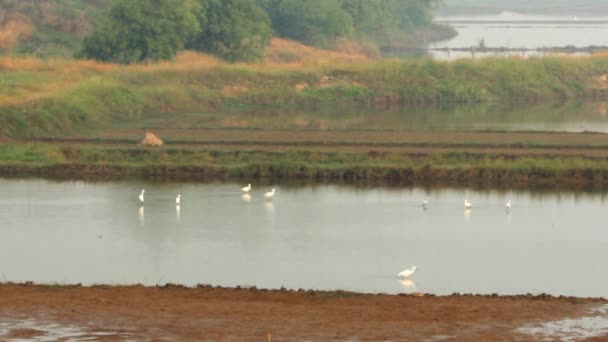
214,314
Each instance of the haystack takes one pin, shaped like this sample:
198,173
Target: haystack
151,140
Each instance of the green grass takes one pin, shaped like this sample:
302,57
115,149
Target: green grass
60,97
444,168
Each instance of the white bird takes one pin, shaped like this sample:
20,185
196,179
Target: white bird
425,203
508,206
141,196
178,199
247,188
270,194
467,204
407,273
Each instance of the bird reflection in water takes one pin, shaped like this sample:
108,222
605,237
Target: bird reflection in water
467,215
269,207
141,216
408,284
246,198
178,215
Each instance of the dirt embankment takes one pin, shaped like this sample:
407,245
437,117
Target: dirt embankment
576,161
580,180
218,314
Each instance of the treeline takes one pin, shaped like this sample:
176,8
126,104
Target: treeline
138,30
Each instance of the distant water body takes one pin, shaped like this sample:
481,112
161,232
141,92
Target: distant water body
520,31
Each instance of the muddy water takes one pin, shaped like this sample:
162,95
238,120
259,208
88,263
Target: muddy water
313,237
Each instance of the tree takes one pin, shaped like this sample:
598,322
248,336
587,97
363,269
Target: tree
316,22
232,29
138,30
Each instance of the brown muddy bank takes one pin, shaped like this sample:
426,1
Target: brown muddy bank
249,314
588,180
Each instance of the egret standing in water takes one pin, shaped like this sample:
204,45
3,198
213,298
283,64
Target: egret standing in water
407,273
141,196
269,195
425,203
178,199
467,204
247,188
508,206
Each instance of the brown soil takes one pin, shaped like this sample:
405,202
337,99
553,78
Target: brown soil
217,314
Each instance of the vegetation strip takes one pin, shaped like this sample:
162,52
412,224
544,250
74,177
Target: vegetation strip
42,98
455,168
371,145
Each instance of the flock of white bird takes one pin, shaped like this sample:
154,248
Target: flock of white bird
467,204
268,196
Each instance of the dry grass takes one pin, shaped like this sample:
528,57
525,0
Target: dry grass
283,51
601,54
13,28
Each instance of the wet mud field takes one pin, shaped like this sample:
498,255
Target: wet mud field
218,314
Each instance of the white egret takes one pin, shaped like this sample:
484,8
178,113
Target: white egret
141,196
467,204
270,194
425,203
178,199
508,206
247,188
407,273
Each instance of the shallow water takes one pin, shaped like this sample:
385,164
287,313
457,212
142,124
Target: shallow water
312,237
593,325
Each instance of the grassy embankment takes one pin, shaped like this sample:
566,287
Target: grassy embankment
58,97
40,98
106,162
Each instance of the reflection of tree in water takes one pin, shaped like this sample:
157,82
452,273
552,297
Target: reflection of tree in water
568,115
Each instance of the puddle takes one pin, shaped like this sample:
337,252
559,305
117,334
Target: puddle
594,325
15,330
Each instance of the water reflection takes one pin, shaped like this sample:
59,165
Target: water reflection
269,206
467,215
246,198
141,216
178,216
408,284
573,116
